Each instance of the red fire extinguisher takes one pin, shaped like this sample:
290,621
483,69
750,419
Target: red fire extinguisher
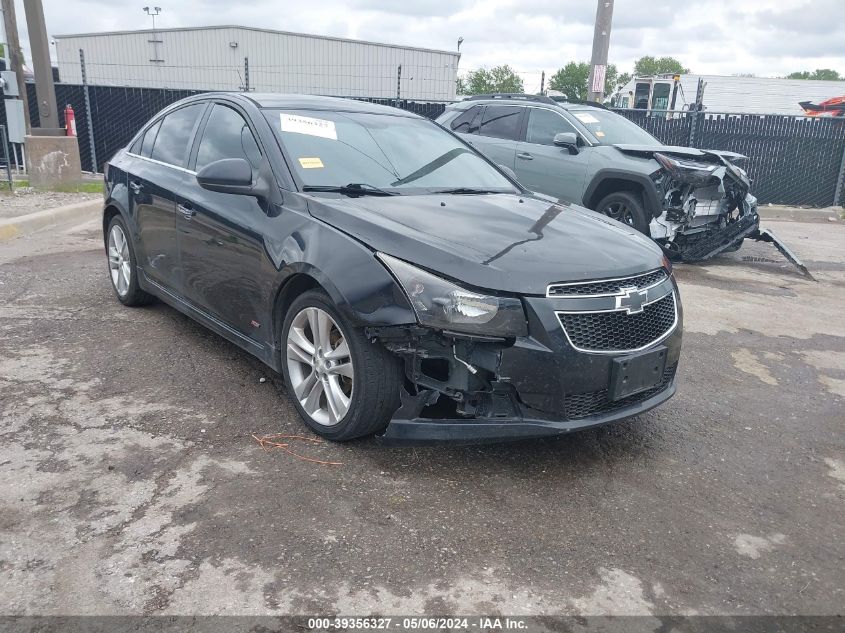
70,121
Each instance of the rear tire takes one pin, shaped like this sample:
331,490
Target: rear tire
626,207
123,271
337,368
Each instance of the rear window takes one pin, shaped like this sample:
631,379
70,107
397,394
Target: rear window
467,121
501,122
149,139
177,128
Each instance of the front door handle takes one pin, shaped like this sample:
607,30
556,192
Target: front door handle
525,156
186,211
136,187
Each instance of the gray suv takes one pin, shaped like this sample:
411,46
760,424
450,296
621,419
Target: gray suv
694,203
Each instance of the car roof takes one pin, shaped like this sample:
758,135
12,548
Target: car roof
315,102
525,100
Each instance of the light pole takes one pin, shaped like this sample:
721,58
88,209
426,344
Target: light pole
155,41
155,11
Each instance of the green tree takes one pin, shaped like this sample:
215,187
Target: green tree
573,78
827,74
483,81
649,65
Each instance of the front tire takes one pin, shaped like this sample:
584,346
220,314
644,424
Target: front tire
123,270
343,385
626,207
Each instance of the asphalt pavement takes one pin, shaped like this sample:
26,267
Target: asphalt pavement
132,482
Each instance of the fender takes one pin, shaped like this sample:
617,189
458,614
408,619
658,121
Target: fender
652,199
358,284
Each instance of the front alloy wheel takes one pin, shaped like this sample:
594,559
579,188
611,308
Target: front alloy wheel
619,211
342,384
320,366
626,207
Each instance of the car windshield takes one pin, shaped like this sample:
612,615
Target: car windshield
380,153
610,128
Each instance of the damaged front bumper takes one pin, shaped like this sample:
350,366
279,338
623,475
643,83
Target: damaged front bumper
469,389
706,206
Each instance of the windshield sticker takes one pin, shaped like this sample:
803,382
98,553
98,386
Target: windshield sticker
307,125
311,163
585,117
598,133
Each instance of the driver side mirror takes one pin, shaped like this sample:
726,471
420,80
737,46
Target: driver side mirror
568,140
230,175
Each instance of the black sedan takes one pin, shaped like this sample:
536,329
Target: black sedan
402,283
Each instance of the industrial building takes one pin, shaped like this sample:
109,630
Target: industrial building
261,60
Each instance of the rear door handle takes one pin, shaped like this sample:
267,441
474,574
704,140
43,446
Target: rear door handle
186,211
136,187
525,156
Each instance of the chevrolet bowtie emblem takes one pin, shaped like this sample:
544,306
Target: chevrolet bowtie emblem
631,300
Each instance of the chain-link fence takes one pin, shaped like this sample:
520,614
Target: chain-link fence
793,160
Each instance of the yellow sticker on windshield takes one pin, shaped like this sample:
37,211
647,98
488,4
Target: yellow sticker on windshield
311,163
599,133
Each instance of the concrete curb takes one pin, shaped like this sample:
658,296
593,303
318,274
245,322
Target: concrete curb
797,214
11,228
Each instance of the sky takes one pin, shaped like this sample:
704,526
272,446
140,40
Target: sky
767,38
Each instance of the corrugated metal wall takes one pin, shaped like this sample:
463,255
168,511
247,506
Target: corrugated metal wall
207,59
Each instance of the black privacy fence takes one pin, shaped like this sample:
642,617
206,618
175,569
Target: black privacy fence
792,160
117,113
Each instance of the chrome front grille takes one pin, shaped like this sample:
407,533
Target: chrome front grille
604,287
612,316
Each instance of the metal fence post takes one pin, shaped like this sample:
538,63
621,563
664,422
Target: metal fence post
88,118
692,125
5,143
246,74
840,183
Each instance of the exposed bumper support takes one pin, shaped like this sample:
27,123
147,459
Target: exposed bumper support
420,431
765,235
722,240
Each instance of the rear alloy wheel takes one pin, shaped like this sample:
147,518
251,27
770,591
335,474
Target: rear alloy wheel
122,268
343,385
626,207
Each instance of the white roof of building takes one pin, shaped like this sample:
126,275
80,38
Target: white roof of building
252,28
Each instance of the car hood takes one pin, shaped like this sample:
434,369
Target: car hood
509,243
687,152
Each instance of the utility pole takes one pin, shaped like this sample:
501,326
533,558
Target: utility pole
601,45
41,66
542,82
398,84
14,54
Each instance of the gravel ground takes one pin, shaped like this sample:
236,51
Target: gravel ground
27,200
132,483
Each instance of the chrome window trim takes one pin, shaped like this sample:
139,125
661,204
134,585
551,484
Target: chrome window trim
161,162
599,281
662,337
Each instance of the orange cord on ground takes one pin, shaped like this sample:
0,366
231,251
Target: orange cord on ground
270,441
